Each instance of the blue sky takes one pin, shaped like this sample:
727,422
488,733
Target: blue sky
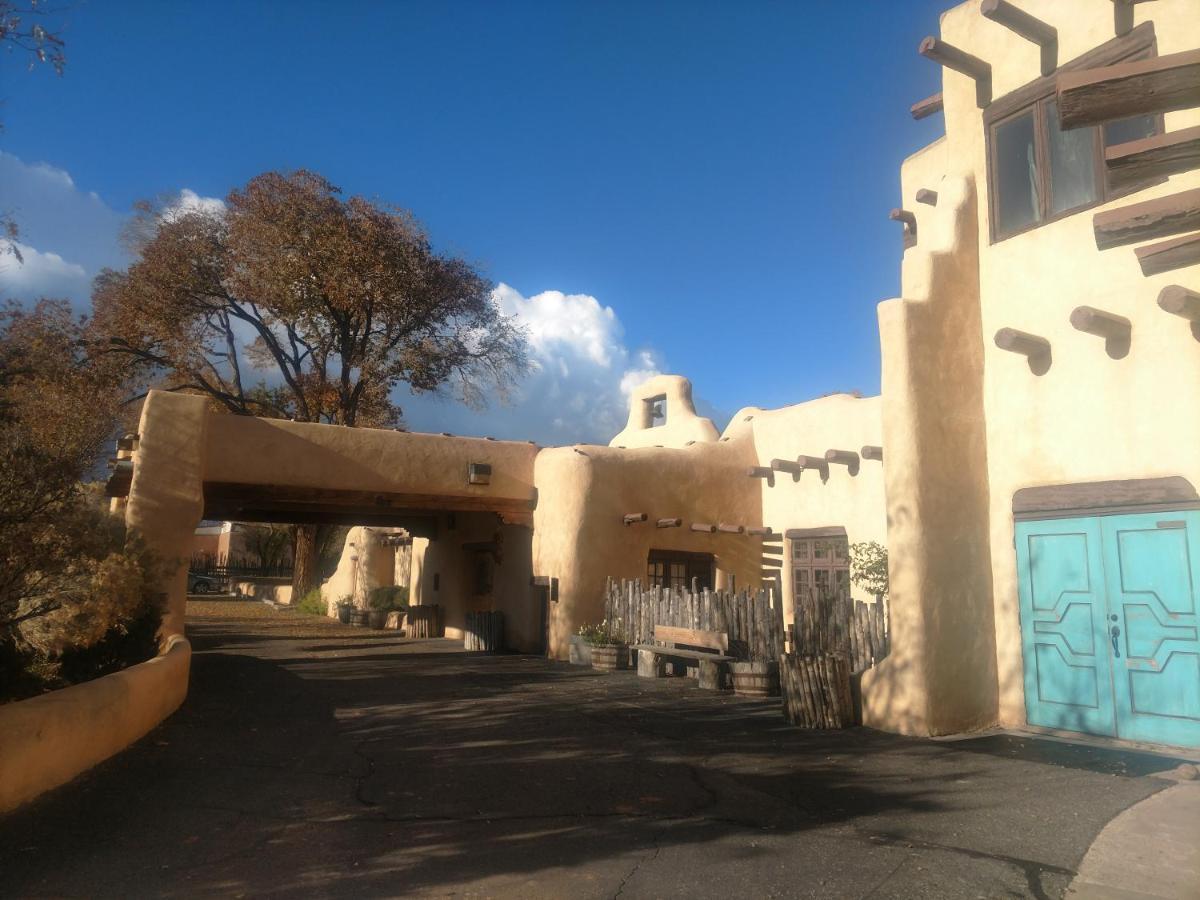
699,188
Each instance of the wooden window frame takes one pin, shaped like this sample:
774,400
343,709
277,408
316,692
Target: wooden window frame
1032,98
810,564
693,564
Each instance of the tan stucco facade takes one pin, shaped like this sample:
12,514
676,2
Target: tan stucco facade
963,425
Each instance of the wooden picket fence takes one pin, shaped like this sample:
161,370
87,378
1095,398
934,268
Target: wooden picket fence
832,623
423,621
753,621
483,631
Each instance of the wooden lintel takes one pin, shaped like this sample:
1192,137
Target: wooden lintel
1160,217
1168,255
926,196
1154,157
1032,29
730,529
705,529
668,523
1034,348
632,518
1156,85
1179,301
869,451
922,109
960,61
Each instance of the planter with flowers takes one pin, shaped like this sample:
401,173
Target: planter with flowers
608,645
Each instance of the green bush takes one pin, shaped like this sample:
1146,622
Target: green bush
388,597
312,603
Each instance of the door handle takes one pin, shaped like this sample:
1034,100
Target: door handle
1116,633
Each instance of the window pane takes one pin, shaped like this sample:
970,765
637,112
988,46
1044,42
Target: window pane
799,549
1072,164
1131,129
820,549
1015,174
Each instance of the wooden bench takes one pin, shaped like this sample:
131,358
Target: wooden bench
709,649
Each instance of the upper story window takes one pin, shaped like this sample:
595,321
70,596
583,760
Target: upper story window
1037,172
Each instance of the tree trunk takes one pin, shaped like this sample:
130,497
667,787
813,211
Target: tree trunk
306,561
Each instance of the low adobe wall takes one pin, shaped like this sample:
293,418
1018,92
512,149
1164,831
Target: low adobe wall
277,590
48,740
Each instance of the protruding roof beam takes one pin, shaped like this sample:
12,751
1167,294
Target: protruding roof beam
786,465
1156,85
668,523
1028,27
1160,217
816,464
1114,329
763,532
926,196
705,529
633,518
1179,301
1170,254
910,225
870,451
1153,157
1123,16
847,458
1035,349
923,109
762,472
960,61
726,528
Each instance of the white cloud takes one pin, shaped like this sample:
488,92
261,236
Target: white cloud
36,274
578,389
190,201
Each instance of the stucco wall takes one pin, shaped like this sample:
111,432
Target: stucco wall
48,740
855,502
1089,417
681,425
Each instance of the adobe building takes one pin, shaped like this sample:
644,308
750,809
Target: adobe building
1031,463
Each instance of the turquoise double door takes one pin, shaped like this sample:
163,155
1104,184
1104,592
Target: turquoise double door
1110,630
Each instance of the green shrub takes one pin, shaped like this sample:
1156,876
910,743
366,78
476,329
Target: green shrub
312,603
388,597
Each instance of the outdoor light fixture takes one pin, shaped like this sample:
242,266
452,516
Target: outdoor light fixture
479,473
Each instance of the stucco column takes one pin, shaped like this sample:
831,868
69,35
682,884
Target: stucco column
166,497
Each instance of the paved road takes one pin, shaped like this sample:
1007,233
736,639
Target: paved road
312,759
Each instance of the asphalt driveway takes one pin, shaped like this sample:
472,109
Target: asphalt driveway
314,759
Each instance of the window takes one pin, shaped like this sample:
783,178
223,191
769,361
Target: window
1037,172
676,569
820,564
655,411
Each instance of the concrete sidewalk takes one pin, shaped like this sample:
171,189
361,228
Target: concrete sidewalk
316,760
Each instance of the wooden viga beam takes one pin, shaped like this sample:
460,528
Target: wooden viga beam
726,528
633,518
1179,301
910,225
815,464
1153,157
960,61
1032,29
1114,329
1160,217
847,458
704,529
926,196
762,532
1035,349
1168,255
870,451
1156,85
762,472
923,109
786,465
1123,16
668,523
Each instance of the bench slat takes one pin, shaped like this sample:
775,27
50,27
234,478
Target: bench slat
684,654
692,637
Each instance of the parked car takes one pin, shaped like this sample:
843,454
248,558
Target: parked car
201,584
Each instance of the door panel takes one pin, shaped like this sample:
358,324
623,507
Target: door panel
1151,581
1068,681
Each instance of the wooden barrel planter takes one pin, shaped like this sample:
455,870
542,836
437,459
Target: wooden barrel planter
816,691
360,617
377,618
609,657
483,631
755,679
